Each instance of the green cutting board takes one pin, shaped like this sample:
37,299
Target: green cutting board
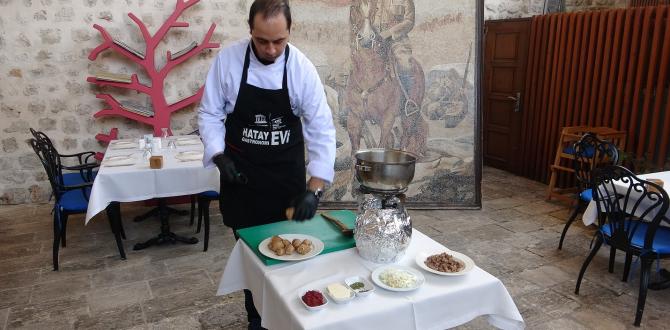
318,227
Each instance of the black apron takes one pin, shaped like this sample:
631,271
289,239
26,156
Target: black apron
264,139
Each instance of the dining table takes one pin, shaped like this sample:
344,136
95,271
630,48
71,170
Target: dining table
440,302
125,175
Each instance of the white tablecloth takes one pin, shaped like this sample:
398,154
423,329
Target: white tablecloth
441,302
591,213
139,182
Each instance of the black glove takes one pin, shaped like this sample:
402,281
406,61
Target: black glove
227,169
305,205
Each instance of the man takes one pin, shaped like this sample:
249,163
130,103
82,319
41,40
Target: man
394,19
263,103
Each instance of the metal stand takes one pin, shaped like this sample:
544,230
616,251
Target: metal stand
155,212
165,236
662,284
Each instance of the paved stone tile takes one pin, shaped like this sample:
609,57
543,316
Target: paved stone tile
4,314
539,207
504,203
213,261
67,268
68,287
18,279
561,323
197,279
514,237
186,303
185,322
102,300
19,250
17,239
14,297
546,276
52,314
19,264
224,315
119,318
124,275
592,319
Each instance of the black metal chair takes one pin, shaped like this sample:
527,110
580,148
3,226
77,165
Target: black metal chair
69,199
84,162
590,152
630,213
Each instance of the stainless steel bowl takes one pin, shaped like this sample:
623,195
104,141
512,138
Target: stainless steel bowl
384,169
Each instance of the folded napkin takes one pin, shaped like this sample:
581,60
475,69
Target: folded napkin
187,142
187,156
123,145
118,161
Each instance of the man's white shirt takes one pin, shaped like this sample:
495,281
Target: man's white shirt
306,93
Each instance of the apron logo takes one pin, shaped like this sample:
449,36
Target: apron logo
274,138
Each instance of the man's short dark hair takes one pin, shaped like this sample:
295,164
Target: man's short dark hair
270,8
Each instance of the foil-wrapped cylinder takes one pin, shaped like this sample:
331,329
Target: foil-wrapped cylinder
383,228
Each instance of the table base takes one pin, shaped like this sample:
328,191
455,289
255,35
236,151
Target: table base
664,283
156,212
165,236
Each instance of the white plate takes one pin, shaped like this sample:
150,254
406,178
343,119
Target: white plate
468,263
317,247
186,156
418,277
123,145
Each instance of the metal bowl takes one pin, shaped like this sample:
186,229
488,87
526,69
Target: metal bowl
384,169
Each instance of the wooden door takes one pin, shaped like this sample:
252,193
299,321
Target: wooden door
505,54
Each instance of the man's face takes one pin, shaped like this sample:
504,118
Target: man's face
270,36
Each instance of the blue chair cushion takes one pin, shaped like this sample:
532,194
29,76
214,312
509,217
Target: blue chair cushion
210,194
586,195
74,201
75,178
588,153
661,241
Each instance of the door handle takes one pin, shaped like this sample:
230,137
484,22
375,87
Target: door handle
517,101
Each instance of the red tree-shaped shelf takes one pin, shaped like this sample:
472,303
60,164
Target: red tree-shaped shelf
160,117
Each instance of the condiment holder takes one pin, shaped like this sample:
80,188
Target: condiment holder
340,293
354,282
312,308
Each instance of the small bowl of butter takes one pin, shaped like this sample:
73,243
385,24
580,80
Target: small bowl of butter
340,293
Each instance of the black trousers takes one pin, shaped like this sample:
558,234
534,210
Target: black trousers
252,314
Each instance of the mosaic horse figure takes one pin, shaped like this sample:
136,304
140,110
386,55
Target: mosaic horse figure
374,93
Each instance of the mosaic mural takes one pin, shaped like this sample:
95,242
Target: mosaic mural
398,74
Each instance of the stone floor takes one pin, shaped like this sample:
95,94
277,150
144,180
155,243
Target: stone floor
513,237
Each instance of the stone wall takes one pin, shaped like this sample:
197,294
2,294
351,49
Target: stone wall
44,45
501,9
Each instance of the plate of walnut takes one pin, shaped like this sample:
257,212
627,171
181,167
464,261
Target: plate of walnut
291,247
445,262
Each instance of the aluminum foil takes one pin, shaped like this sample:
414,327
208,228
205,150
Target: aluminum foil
383,228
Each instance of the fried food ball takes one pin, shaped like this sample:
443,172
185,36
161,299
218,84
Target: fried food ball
303,248
286,242
296,243
280,252
276,245
275,238
307,242
289,249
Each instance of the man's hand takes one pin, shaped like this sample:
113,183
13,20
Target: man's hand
304,205
227,169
